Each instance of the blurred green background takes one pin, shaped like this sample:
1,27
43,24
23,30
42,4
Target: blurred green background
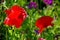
26,30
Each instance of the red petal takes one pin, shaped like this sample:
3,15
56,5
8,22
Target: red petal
17,22
8,11
41,29
46,20
40,26
16,9
22,16
8,21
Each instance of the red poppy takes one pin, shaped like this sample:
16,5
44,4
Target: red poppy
43,22
15,16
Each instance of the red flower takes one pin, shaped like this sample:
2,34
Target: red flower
15,16
43,22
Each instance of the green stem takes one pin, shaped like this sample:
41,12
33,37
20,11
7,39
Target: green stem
13,33
31,22
19,36
4,5
6,35
22,37
6,32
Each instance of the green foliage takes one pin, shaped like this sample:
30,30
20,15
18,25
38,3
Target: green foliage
26,30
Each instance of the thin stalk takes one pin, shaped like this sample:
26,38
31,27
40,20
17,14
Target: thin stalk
6,35
22,37
13,33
